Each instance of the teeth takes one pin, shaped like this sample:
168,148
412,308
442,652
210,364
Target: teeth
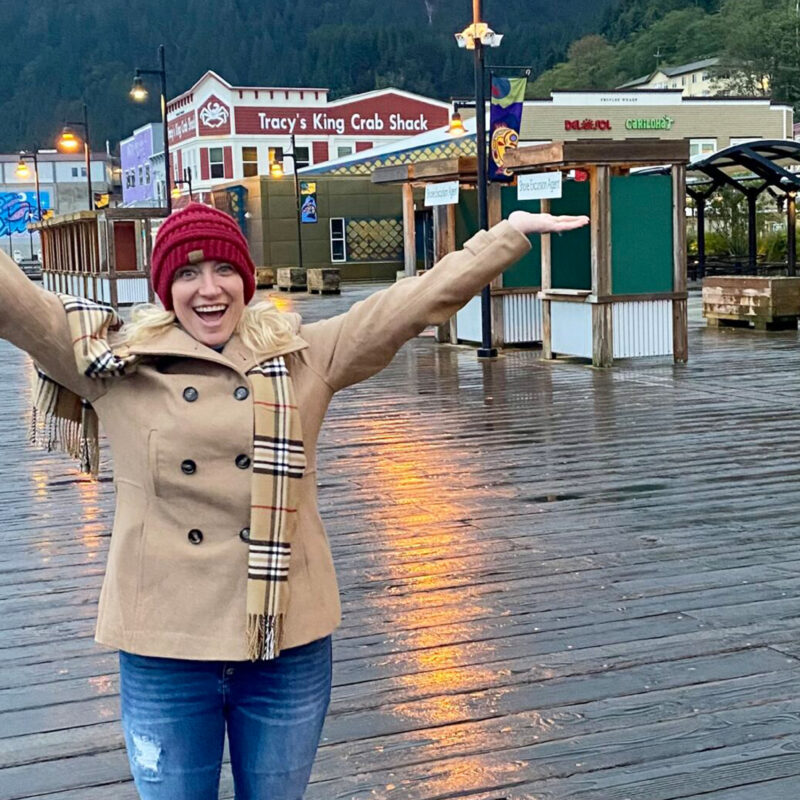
210,309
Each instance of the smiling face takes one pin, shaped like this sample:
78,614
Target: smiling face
208,299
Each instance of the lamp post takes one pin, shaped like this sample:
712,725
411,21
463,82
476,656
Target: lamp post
139,94
276,171
22,171
475,37
186,180
68,142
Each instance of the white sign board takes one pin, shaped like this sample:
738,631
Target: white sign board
441,194
539,186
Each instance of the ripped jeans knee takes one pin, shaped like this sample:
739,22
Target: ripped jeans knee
146,755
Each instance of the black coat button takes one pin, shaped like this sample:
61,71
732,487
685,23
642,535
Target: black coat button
195,536
190,394
242,461
241,393
188,467
244,534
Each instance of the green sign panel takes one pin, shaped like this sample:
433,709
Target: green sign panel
664,123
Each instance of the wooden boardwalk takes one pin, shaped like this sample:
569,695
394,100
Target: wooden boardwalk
558,583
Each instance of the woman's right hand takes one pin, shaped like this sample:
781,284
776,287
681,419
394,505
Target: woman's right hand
527,223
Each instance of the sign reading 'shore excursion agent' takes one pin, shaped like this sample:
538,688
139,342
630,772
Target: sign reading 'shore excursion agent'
539,186
441,194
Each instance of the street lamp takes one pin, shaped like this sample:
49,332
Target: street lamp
186,180
139,94
276,171
68,142
23,171
456,125
475,37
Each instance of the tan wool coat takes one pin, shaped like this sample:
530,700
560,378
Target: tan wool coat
177,426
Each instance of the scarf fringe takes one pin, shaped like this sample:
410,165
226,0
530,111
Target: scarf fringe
75,438
264,636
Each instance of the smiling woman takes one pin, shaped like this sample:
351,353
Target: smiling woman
220,591
208,298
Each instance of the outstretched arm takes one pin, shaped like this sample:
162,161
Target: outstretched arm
34,320
354,345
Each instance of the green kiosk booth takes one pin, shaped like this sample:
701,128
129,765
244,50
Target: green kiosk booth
618,288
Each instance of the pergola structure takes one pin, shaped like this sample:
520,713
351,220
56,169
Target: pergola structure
100,255
771,165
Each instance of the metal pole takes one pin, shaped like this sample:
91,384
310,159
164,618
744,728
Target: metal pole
297,204
87,150
791,232
164,124
485,350
188,173
36,179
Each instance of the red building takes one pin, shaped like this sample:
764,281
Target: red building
223,132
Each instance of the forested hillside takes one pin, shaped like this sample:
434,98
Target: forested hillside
57,53
758,39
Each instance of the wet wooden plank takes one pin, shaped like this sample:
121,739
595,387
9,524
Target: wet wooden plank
558,583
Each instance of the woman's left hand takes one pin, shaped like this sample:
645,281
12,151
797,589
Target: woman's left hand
527,223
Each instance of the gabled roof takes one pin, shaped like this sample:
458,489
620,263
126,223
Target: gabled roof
636,82
672,72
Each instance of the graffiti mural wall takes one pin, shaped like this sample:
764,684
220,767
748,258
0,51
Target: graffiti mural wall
17,209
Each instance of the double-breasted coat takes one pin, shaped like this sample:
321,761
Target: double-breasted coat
180,428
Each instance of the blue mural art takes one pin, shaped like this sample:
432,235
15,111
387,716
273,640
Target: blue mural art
17,209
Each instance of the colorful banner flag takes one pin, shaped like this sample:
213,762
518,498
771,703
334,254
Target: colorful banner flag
308,201
505,119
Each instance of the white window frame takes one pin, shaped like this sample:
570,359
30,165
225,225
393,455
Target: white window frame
212,164
249,162
303,162
701,144
342,239
734,140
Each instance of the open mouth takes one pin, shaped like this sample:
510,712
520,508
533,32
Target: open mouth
211,314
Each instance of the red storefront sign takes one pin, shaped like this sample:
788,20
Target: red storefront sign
182,128
387,115
587,124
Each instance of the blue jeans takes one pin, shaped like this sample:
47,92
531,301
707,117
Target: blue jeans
175,712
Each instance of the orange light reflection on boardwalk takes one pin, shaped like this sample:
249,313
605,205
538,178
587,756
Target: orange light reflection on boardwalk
435,672
94,523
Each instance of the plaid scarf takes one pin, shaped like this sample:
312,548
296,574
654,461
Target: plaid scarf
61,419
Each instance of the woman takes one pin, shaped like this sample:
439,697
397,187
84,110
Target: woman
219,592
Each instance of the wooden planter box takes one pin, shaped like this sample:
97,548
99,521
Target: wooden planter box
291,279
265,277
323,280
765,303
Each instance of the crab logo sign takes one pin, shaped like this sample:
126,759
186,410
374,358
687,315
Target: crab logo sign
215,116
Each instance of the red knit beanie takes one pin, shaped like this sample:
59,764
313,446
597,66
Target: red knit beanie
199,233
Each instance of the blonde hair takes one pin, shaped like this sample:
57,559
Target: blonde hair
262,327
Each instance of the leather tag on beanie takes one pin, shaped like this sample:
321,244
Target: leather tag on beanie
195,256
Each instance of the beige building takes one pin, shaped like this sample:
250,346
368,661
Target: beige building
710,123
699,79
